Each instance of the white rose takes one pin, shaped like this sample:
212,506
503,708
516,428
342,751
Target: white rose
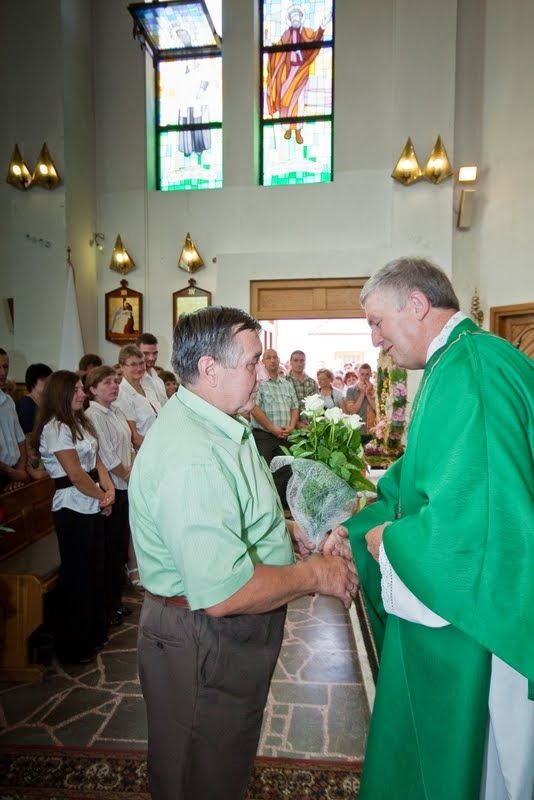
354,421
334,414
313,403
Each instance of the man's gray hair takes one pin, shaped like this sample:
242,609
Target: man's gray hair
209,332
402,276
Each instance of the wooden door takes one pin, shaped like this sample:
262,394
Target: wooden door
307,298
516,324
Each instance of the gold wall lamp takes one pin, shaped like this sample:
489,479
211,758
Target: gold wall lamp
190,259
45,173
407,169
466,178
438,167
18,174
121,261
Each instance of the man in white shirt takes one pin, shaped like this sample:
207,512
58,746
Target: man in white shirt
12,441
151,382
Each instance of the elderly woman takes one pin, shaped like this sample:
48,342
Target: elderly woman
329,394
68,447
117,454
132,400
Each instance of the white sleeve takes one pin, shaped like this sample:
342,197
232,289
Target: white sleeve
400,601
126,406
107,454
57,436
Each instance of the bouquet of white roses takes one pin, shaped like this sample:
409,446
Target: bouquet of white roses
328,467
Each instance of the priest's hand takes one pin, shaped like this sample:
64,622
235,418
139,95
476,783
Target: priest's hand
373,537
337,543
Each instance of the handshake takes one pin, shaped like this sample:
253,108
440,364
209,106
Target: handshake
336,571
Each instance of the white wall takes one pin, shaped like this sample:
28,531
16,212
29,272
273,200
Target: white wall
400,70
349,227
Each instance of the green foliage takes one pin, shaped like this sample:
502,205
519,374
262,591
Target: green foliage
334,443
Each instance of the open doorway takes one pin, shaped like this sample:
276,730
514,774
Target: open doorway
331,343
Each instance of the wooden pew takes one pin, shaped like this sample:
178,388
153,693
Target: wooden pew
29,563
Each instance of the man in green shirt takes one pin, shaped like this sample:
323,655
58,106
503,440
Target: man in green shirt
446,556
217,562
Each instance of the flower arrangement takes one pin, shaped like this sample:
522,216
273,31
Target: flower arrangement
328,466
391,409
333,438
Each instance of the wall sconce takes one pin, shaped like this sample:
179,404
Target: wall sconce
18,174
466,175
190,259
45,173
96,240
121,261
438,167
477,315
407,169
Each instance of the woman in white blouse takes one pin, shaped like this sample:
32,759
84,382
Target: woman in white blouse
132,400
68,447
116,451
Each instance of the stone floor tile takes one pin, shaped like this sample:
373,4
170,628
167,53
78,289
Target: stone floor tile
348,720
37,735
331,667
128,721
80,732
119,666
307,730
293,657
20,700
326,636
277,725
78,701
304,693
281,710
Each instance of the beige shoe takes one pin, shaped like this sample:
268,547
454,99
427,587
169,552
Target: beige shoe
298,137
287,134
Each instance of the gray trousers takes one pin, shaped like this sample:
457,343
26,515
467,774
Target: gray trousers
205,682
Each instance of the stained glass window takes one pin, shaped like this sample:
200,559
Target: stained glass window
296,92
185,45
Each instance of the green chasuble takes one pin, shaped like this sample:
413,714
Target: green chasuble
462,540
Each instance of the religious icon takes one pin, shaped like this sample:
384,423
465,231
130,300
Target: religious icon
124,314
188,300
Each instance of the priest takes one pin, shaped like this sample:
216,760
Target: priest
446,556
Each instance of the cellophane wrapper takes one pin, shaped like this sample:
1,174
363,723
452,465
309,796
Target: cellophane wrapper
317,498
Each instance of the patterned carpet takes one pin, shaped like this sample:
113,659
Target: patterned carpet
51,773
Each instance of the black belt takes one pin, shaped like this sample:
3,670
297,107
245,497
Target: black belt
65,481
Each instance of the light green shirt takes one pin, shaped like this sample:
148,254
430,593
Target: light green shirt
203,507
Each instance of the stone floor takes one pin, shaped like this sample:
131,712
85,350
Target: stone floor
317,706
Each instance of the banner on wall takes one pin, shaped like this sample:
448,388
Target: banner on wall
72,348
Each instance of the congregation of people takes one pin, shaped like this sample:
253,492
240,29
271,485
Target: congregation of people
445,582
83,430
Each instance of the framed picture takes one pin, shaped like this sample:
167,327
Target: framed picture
188,300
124,314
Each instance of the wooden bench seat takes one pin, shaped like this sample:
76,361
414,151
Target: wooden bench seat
29,564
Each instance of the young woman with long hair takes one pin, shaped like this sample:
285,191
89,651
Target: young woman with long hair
68,446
